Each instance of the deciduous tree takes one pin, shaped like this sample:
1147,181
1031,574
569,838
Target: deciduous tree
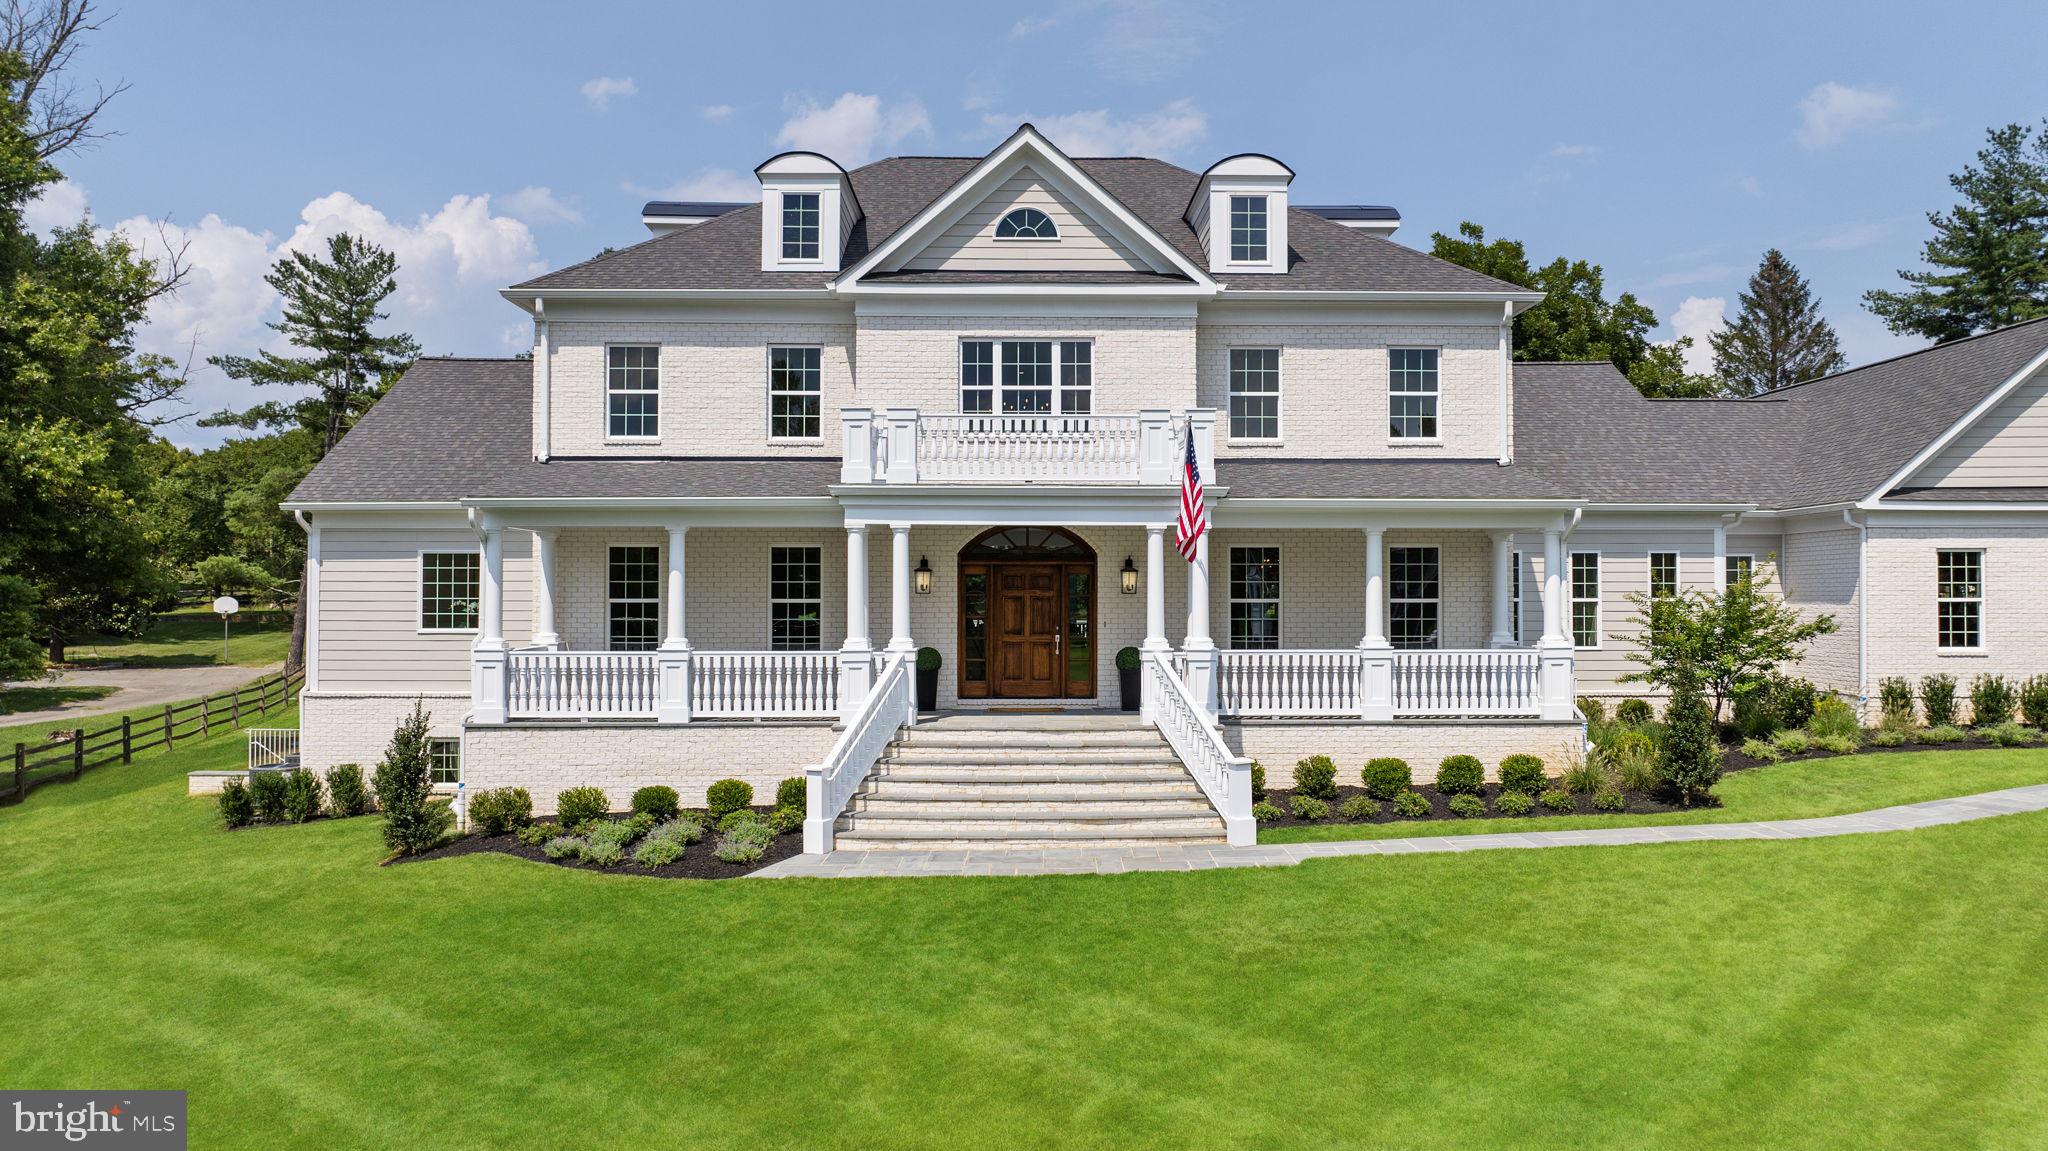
1729,642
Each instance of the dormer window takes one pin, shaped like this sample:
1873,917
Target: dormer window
799,225
1026,224
1247,229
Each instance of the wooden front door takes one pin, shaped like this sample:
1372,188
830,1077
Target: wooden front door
1026,627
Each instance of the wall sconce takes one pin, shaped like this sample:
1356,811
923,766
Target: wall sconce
1130,573
924,576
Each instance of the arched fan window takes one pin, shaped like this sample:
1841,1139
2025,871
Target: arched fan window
1026,224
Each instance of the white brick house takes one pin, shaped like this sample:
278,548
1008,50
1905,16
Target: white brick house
756,461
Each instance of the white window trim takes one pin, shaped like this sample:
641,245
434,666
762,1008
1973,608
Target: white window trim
1437,599
660,598
1279,436
461,761
1437,440
605,393
1727,566
768,378
996,374
1279,601
1980,599
1572,600
772,600
419,590
1650,570
1052,239
782,258
1230,230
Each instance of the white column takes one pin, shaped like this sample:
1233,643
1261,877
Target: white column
899,588
1503,586
1155,588
544,633
856,657
311,591
1553,586
1376,664
487,671
1554,652
1200,648
672,662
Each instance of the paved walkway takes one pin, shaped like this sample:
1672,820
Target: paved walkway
1088,861
137,687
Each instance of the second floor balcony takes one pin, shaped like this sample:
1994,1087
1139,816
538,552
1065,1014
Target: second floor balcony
906,446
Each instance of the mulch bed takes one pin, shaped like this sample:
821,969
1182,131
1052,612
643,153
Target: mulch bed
697,861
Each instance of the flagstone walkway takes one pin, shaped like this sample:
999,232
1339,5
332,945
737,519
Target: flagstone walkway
1907,817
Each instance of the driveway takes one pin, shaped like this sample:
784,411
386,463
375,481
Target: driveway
138,687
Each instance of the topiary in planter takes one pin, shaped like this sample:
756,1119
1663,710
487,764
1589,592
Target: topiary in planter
1467,806
1127,659
727,796
579,805
1316,776
657,800
1412,805
1387,777
1460,775
1633,711
1522,773
928,659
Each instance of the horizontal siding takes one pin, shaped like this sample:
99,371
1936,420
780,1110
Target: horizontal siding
2007,448
970,244
369,637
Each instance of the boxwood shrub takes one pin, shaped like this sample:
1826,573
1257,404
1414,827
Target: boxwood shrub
1359,808
1308,807
1411,804
793,792
1467,806
346,793
1461,775
2034,701
1938,699
1524,773
1316,776
786,819
496,811
1992,699
579,805
657,800
1609,799
236,808
1258,781
266,792
1558,799
727,796
1514,803
302,796
1386,777
1265,812
1633,711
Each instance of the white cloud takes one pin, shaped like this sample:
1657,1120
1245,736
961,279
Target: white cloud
1029,27
1575,151
717,113
709,184
538,205
57,205
1699,317
1832,111
449,262
853,126
1750,185
1172,129
601,91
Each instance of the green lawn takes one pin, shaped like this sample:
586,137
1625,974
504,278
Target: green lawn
1858,992
1802,790
190,637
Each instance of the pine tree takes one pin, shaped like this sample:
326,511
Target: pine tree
1989,253
330,311
1689,760
1779,337
404,785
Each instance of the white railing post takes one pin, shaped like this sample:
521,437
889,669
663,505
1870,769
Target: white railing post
1202,426
1555,680
1155,446
1376,655
902,461
487,680
857,446
817,824
672,662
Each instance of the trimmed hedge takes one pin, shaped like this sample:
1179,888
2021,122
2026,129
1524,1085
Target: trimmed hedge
1386,777
579,805
1461,775
657,800
1316,776
1522,773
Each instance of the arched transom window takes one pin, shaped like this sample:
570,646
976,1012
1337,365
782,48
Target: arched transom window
1026,224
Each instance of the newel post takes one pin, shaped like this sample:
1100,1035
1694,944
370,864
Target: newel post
1376,654
1155,446
857,446
902,445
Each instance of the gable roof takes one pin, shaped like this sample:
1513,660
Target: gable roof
725,252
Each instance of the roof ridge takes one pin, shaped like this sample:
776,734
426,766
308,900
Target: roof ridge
1902,356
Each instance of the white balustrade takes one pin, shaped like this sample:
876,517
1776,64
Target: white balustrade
1224,776
581,684
891,705
1493,681
763,683
273,747
1025,448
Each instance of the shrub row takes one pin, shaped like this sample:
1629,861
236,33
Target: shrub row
1386,777
1994,700
293,796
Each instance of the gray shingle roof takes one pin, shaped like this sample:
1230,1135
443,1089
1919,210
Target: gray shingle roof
726,252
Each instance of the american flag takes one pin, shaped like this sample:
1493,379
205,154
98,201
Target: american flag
1194,514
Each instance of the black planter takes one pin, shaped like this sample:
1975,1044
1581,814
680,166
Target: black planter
927,689
1127,680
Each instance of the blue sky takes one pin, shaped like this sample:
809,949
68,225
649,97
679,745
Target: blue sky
487,141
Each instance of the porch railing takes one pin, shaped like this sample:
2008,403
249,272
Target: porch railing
905,446
891,705
273,747
1224,776
581,684
745,684
1474,682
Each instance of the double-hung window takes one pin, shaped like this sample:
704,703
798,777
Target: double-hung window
1663,574
448,590
1740,568
444,761
793,394
632,391
1411,393
1254,598
799,225
1027,377
1254,393
1959,599
1585,573
1414,597
1247,229
796,598
633,598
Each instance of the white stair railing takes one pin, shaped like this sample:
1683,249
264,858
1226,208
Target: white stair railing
1490,681
891,705
273,746
741,684
1224,776
1323,682
581,684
